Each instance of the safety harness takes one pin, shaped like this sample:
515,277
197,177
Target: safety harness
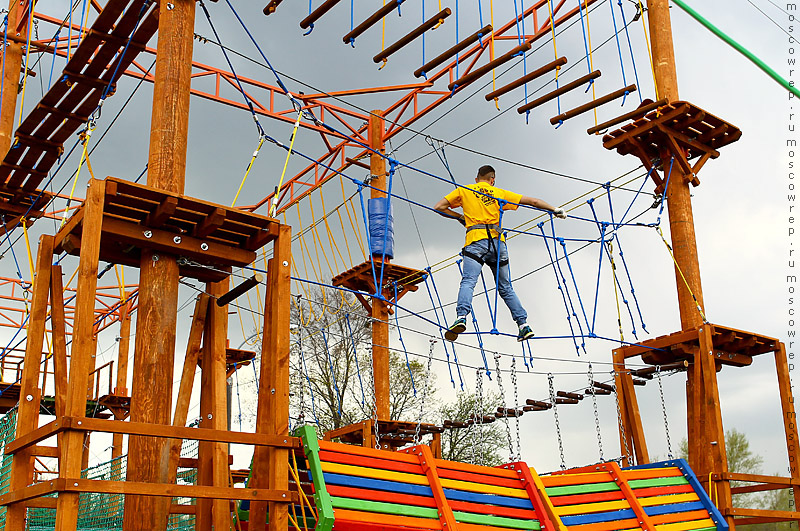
491,259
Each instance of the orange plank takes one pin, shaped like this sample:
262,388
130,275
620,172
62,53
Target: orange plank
386,520
368,452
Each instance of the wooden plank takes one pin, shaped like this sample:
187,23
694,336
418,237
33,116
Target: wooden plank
789,418
542,503
30,396
345,516
636,503
497,521
444,511
350,459
383,507
581,489
322,500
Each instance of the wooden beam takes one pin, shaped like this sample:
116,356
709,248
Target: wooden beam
28,413
789,418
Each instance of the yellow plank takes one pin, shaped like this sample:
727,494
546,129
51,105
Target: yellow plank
374,473
562,480
483,489
652,473
586,508
687,526
670,498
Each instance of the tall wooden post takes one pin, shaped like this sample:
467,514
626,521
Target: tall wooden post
154,352
122,367
17,13
707,437
380,310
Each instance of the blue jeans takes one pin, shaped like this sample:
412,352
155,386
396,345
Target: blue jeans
487,250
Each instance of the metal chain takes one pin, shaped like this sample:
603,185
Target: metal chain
503,398
664,410
555,415
424,393
596,416
478,419
516,407
627,454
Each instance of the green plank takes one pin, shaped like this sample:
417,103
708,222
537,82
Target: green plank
384,507
657,482
498,521
581,489
321,497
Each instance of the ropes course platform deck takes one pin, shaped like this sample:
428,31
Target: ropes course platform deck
209,238
364,489
678,129
363,278
117,36
730,346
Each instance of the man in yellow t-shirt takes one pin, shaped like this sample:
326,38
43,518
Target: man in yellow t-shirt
481,203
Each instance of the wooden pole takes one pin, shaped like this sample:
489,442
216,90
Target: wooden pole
28,413
789,417
121,388
17,12
154,351
679,203
380,310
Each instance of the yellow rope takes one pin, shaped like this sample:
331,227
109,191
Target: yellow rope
616,291
85,137
686,282
491,52
649,53
303,496
352,224
274,207
383,38
317,240
71,278
85,23
347,243
331,239
591,59
304,245
249,167
553,32
120,283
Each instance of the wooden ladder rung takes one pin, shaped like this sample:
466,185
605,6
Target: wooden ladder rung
371,21
592,104
469,77
561,61
316,14
559,91
633,115
422,28
450,52
272,6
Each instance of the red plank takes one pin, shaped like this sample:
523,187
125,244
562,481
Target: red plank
370,462
578,499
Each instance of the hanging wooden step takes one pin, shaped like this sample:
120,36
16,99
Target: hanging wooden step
469,77
371,21
636,114
317,13
559,91
592,104
272,6
561,61
416,32
450,52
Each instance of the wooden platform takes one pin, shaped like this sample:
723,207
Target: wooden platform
731,347
360,278
234,359
678,129
208,238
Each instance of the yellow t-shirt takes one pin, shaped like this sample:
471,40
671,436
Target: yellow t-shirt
479,202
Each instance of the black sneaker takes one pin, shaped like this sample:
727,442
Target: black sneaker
525,333
456,328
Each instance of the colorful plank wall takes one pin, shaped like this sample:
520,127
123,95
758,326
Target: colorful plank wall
362,489
662,496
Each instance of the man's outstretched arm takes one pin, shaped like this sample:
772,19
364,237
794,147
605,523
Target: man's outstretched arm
443,208
543,205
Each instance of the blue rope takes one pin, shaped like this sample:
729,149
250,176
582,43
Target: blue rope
486,294
477,330
452,345
355,354
664,193
500,204
615,237
439,325
560,289
575,284
630,46
619,48
403,343
5,47
233,71
14,255
377,293
585,45
644,181
333,372
603,229
53,64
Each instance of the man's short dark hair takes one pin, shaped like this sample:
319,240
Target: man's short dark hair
483,171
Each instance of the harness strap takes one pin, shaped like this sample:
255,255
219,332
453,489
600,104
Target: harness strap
488,227
480,260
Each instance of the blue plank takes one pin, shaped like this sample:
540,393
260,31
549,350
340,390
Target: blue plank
488,499
377,484
595,518
716,516
671,508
